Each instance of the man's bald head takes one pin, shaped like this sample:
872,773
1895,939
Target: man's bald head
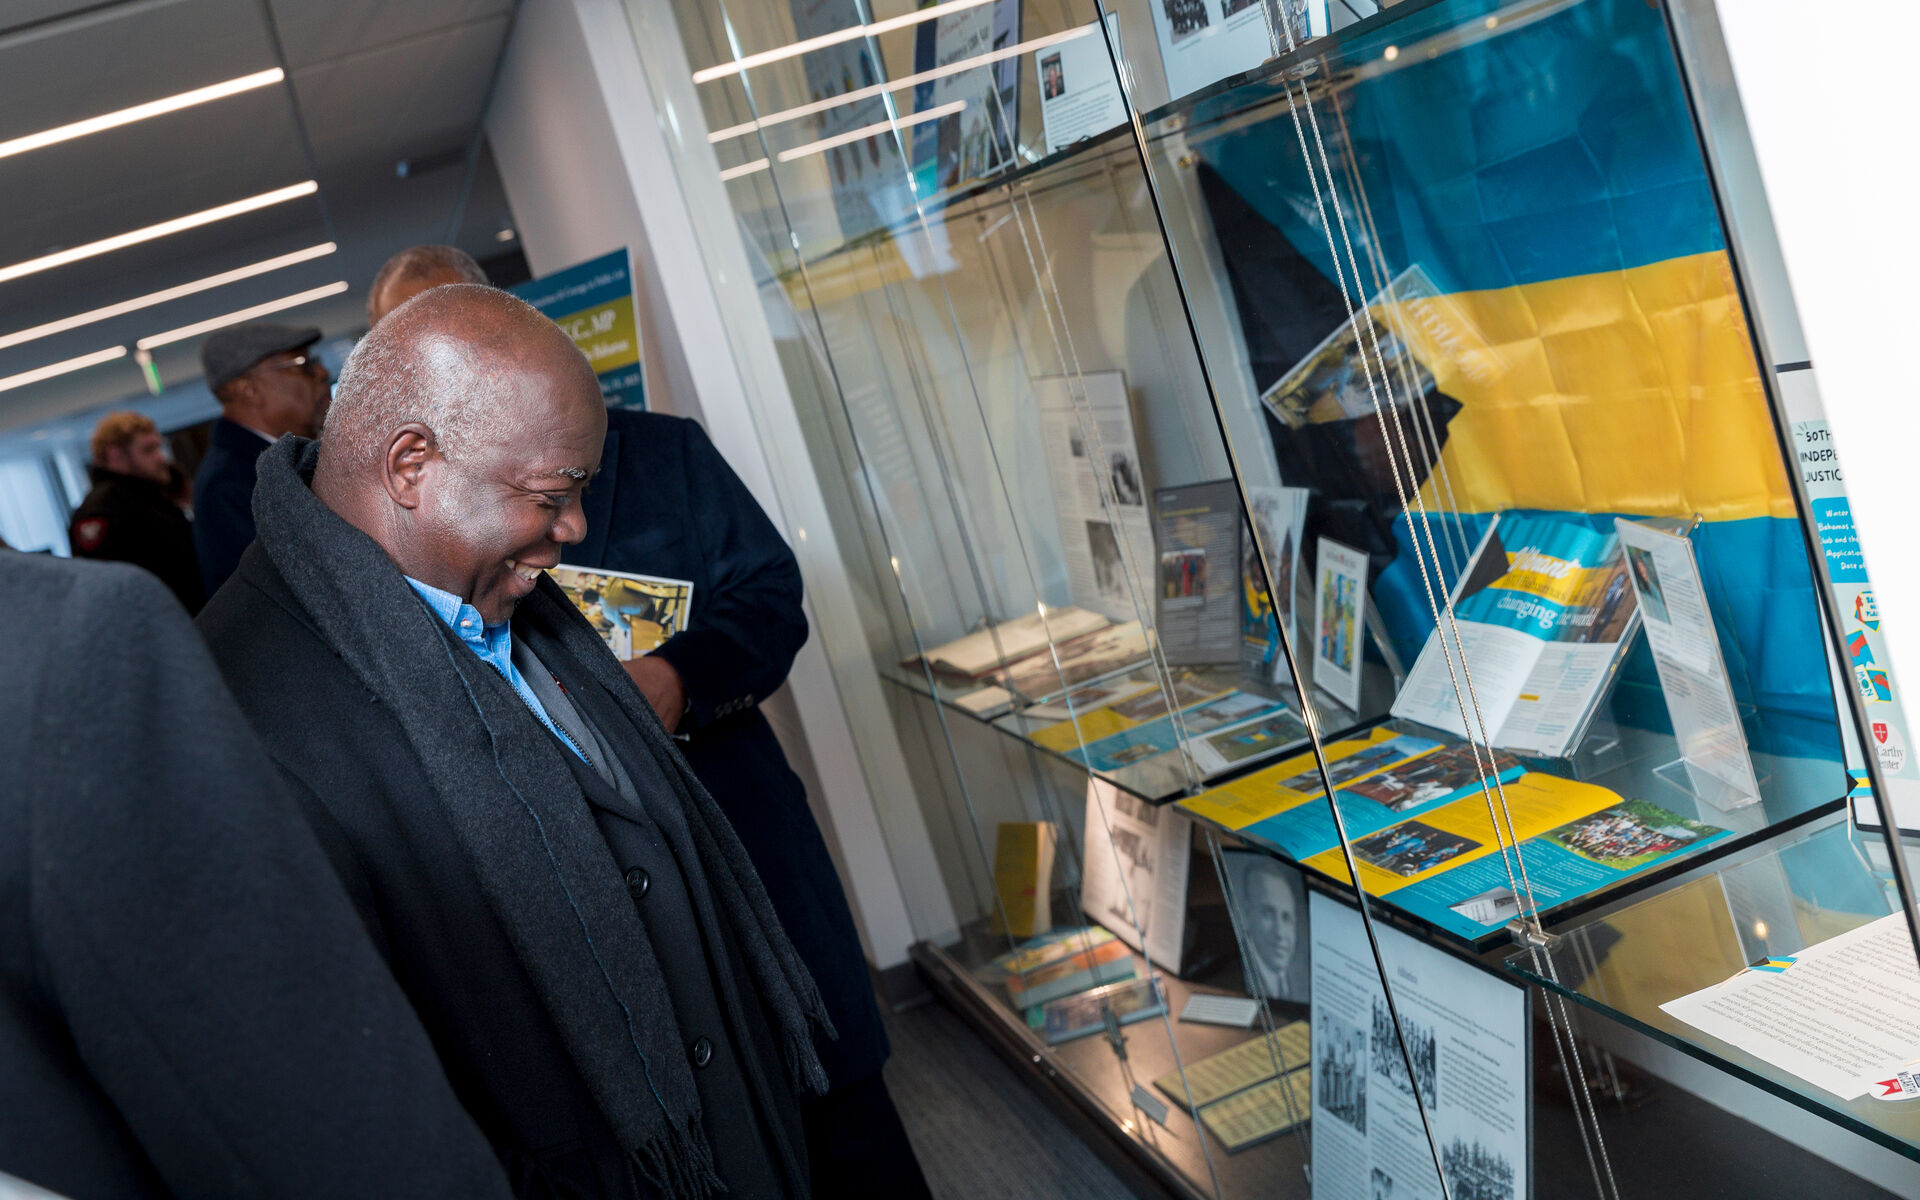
463,429
414,270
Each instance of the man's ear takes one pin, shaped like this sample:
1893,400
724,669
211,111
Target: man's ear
404,468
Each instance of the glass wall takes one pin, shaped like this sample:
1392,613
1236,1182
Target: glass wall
1226,405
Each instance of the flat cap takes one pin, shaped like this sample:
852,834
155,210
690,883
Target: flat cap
228,353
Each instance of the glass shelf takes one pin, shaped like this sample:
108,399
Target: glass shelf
1775,899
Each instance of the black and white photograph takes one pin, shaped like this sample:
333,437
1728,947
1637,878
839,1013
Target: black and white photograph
1382,1185
1123,473
1270,907
1476,1172
1185,17
1108,576
1388,1062
1230,7
1340,1066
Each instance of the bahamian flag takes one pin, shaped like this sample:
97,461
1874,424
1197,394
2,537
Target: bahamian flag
1548,182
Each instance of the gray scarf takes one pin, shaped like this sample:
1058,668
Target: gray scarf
540,859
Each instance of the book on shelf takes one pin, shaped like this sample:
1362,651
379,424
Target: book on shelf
1022,877
1087,1013
1109,962
985,651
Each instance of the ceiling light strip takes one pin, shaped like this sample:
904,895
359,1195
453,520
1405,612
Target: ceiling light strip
47,262
161,297
140,112
246,314
880,89
62,368
865,131
758,164
709,74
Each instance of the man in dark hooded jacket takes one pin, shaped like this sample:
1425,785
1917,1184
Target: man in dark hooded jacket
189,1005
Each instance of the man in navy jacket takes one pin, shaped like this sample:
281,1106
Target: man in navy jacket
665,503
268,383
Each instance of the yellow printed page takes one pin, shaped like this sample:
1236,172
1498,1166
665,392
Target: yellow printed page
1274,1107
1287,784
1089,727
1411,851
1239,1068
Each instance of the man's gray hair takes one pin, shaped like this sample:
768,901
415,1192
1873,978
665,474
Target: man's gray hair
422,262
401,375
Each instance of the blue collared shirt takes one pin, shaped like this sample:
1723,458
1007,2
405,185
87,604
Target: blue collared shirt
494,645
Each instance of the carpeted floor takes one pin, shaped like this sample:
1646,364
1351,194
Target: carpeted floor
977,1127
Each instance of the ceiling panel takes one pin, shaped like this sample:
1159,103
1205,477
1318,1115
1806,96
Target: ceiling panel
416,99
313,33
135,176
130,54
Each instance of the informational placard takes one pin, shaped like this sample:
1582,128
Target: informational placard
1079,93
593,302
1278,516
1197,591
1202,41
1868,665
1465,1030
1543,613
1843,1014
1693,677
1099,489
1135,879
978,140
1339,621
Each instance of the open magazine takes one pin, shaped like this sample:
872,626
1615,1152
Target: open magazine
1544,613
632,613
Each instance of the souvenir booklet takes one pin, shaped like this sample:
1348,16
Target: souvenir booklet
632,613
1079,1016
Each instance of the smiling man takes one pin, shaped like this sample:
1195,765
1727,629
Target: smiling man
568,911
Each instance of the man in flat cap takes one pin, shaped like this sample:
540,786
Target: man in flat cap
572,916
268,383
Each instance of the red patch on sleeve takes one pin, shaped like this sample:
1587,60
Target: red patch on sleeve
88,534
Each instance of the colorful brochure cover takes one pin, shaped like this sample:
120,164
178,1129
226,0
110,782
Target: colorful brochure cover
1159,736
1446,867
633,614
1085,1014
1125,712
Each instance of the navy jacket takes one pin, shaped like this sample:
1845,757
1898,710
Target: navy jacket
189,1005
223,501
665,503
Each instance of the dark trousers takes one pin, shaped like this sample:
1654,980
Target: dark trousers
857,1146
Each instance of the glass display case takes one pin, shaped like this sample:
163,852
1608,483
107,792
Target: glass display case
1226,405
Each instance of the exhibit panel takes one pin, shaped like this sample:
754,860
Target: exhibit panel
1366,655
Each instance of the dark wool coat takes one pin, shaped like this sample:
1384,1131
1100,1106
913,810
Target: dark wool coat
189,1005
223,500
352,767
665,503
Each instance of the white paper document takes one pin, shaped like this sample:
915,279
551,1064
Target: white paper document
1079,93
1466,1032
1841,1014
1673,604
1099,490
1135,879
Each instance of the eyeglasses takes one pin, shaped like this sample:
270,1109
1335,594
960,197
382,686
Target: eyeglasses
299,362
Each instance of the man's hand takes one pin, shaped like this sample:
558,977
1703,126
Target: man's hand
660,684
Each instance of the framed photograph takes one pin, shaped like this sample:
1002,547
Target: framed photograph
1270,914
1339,621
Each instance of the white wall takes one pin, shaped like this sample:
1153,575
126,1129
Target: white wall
1829,99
